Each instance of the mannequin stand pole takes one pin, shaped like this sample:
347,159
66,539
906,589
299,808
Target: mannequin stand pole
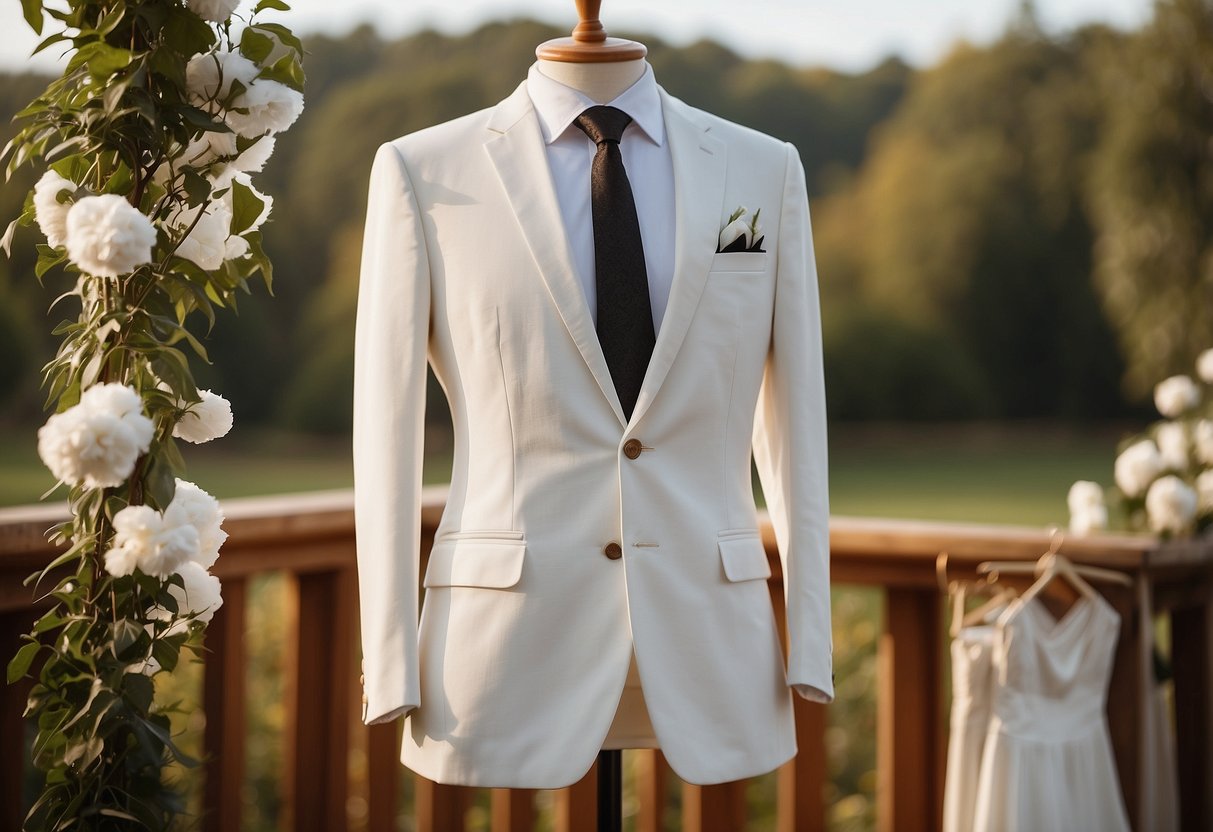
610,790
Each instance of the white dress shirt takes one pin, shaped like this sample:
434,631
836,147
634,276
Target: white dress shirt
646,158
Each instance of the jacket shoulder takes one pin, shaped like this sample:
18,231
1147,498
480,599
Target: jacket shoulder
438,141
755,141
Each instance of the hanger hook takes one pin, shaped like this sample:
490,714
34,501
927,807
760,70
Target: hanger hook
941,570
1056,536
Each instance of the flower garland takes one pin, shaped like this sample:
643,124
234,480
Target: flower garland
150,139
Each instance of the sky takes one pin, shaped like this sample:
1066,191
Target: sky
848,35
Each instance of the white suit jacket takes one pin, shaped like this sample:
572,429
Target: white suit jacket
511,671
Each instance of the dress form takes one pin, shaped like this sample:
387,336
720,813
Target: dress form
600,82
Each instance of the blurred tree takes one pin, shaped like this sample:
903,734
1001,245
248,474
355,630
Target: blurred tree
1151,194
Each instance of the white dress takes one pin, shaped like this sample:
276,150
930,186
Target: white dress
968,724
1047,765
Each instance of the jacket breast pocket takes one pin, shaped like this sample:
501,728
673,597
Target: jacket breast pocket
485,559
740,261
743,556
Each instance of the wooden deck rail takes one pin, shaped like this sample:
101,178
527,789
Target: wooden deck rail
310,537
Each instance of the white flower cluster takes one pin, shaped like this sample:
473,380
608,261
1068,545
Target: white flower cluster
104,234
96,441
208,419
1169,469
184,540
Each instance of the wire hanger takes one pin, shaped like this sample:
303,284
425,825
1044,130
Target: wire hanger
1052,564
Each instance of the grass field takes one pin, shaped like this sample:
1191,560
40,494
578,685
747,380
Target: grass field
981,473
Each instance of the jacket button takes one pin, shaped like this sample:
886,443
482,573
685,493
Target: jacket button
631,448
613,550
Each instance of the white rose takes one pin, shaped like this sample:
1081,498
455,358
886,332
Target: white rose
1084,494
107,236
202,593
1172,441
1137,466
1203,441
1204,491
1089,519
146,539
49,212
1170,504
209,76
206,243
1204,366
1175,395
271,107
96,441
216,11
193,506
208,419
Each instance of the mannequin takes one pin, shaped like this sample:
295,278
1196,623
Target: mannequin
601,68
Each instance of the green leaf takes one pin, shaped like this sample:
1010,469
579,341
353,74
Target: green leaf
271,4
246,207
21,662
126,633
284,34
286,70
32,9
255,46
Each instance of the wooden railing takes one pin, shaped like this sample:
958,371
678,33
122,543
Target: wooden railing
310,537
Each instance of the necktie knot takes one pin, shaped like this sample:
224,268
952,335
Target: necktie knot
603,123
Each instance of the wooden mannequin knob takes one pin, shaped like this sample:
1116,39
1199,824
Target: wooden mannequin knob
589,42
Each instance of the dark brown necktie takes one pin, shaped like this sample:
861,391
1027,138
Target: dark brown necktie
625,316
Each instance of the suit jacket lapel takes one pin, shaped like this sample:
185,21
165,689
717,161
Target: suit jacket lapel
516,148
700,160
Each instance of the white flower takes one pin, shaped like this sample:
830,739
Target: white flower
1175,395
206,243
271,107
50,213
155,543
193,506
1084,494
1170,504
209,76
218,154
739,227
202,593
1203,441
208,419
1204,366
1204,491
1137,466
1172,441
1089,519
107,236
216,11
96,441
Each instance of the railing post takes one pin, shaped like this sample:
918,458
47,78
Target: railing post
1192,662
383,774
440,808
223,702
577,805
12,725
513,810
800,802
317,764
910,752
650,789
717,808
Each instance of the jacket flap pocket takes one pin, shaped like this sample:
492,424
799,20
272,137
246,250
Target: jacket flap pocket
475,561
739,261
744,557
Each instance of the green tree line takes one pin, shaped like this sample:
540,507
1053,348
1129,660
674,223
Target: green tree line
1021,230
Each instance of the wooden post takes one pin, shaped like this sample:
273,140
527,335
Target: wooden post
12,725
650,789
316,780
513,810
383,774
910,732
1192,662
440,808
717,808
800,799
577,805
224,703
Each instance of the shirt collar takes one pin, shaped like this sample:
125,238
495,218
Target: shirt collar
558,104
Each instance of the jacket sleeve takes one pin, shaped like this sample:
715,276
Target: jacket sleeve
789,443
390,356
